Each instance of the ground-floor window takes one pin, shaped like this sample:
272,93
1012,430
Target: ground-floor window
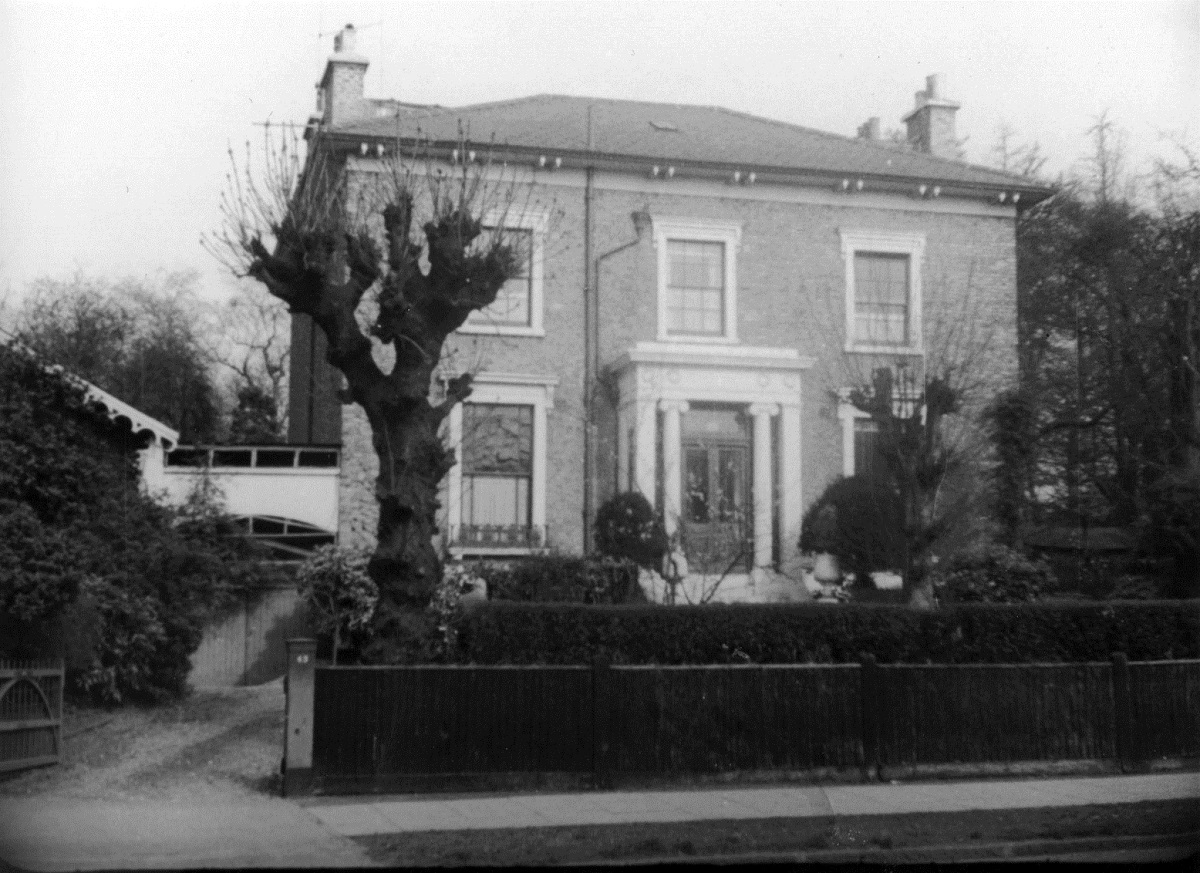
497,464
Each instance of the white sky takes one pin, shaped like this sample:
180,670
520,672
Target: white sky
115,117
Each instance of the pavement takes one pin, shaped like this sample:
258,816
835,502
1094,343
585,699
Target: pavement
316,832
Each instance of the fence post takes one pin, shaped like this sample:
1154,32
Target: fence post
298,727
871,701
1125,732
601,671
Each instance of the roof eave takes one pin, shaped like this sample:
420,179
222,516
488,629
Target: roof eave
920,187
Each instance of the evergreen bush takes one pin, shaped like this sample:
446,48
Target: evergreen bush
859,520
627,527
562,579
991,573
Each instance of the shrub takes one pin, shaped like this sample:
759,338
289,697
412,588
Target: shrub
103,576
626,527
859,520
519,633
340,596
991,573
562,579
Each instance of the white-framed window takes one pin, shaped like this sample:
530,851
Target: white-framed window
517,309
697,279
496,493
883,291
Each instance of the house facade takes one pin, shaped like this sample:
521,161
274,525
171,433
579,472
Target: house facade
698,290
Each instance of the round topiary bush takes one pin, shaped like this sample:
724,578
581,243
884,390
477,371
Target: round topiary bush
991,573
858,519
627,527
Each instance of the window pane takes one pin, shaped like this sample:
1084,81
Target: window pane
495,500
881,294
695,287
697,485
512,304
867,460
497,438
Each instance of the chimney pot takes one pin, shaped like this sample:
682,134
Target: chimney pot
931,86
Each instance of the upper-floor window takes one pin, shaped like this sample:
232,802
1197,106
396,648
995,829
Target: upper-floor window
697,279
695,288
517,309
881,299
883,291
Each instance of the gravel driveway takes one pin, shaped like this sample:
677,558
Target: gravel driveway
219,744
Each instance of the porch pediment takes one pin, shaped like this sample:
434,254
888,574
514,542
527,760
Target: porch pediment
695,372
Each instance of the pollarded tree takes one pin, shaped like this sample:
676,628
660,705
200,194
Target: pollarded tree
415,241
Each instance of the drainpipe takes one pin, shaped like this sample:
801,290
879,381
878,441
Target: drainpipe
641,221
589,351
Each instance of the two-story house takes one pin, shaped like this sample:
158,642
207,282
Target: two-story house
697,285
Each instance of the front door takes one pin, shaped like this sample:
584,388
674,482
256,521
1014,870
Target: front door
716,527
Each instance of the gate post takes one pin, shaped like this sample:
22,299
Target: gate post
871,702
1126,731
601,670
298,727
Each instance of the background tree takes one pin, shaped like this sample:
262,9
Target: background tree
1108,291
144,342
417,241
253,344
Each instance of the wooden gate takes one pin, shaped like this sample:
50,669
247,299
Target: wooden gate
30,714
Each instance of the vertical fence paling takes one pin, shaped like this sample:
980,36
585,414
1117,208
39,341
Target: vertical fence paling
31,696
372,723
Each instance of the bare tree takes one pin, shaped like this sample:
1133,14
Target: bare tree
320,241
254,345
1012,156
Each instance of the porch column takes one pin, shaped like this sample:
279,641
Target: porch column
672,463
790,491
645,426
764,479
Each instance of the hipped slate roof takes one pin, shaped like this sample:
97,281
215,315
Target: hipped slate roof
696,135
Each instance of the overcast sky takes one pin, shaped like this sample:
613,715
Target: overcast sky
116,117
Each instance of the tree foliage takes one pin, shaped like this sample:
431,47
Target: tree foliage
859,520
143,342
340,595
93,568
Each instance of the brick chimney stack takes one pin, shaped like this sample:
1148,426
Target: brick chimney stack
931,123
340,91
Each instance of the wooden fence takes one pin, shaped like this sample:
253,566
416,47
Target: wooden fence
416,728
30,714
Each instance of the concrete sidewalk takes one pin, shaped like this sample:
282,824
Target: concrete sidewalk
272,832
116,835
374,816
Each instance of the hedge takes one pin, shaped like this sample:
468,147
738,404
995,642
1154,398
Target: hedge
562,579
526,633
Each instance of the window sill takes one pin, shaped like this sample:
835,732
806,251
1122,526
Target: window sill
698,339
497,551
500,330
915,351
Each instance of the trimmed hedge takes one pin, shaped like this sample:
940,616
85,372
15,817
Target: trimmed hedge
521,633
562,579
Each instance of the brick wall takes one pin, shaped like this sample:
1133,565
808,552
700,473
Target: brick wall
791,292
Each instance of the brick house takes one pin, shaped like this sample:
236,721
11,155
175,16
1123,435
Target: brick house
698,284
